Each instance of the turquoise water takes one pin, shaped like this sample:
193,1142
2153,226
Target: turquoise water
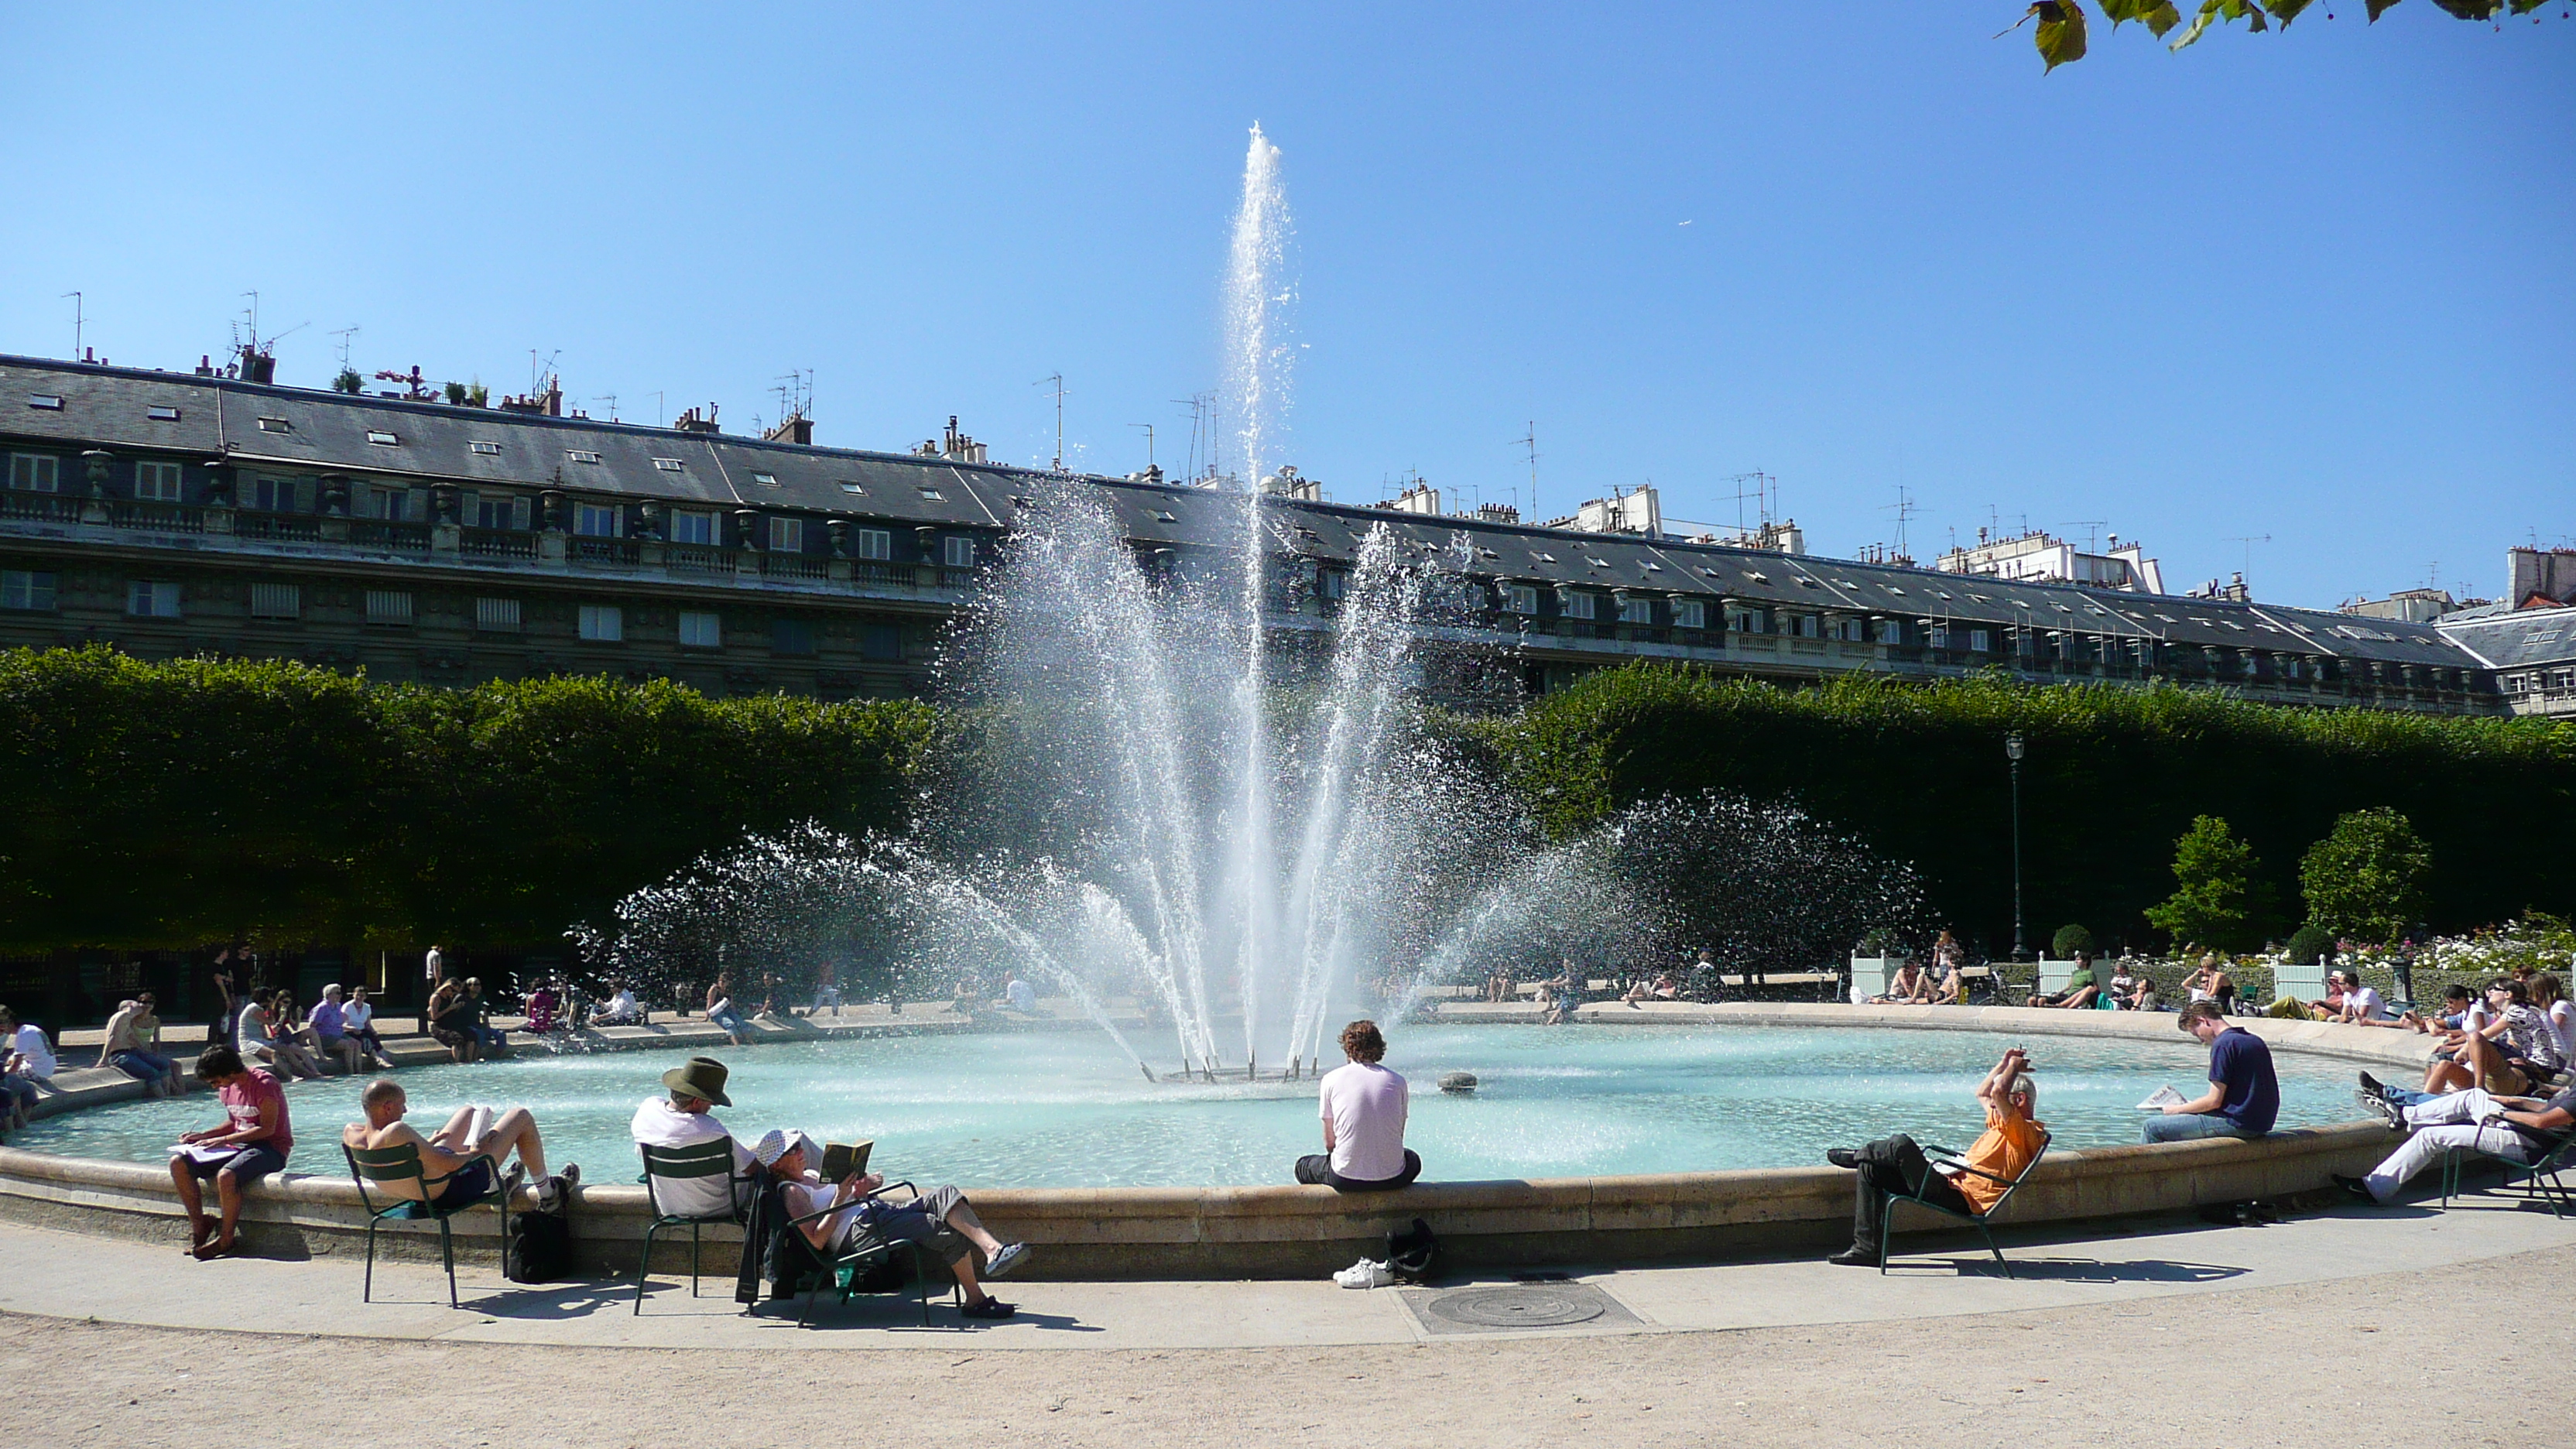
1065,1109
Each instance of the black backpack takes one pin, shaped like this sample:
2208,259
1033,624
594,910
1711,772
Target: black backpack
538,1249
1413,1254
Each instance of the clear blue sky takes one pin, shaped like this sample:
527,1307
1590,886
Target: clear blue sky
2317,285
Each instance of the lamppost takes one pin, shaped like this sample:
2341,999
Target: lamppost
2012,752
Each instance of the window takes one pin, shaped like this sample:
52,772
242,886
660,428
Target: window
276,601
2513,683
603,623
1891,631
580,455
2562,679
35,472
1851,631
1521,599
1577,604
26,589
383,439
882,643
765,480
1981,641
488,450
596,520
701,630
931,495
787,535
1691,614
50,402
497,616
497,510
388,606
697,528
152,599
1332,583
275,425
849,487
1636,611
1939,637
791,636
162,414
1807,626
672,465
275,495
1745,621
393,505
958,552
2541,636
873,543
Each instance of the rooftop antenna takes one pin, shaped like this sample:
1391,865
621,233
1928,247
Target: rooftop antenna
1764,490
609,398
2092,531
1903,508
1149,444
1529,439
2249,540
78,319
657,407
538,371
1056,379
345,334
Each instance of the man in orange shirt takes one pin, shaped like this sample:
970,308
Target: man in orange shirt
2013,1136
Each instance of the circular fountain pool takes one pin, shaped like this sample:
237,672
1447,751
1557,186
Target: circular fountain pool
1066,1109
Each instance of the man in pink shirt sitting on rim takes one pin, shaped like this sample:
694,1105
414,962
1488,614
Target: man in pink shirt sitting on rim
1364,1107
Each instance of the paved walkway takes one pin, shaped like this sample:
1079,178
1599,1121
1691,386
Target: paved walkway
121,1280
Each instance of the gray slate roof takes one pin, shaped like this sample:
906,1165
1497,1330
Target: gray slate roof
432,442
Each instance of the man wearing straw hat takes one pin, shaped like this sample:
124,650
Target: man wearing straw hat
682,1119
840,1214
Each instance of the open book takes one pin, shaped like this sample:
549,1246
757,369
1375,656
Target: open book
2164,1097
207,1151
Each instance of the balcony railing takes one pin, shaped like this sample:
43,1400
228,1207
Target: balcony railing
496,543
45,507
155,516
793,566
294,526
389,533
624,551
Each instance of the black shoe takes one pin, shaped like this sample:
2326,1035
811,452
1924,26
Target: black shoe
2377,1088
988,1308
1843,1157
1855,1257
2356,1187
2385,1110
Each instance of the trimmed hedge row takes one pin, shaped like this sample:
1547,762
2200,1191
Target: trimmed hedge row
168,805
2111,779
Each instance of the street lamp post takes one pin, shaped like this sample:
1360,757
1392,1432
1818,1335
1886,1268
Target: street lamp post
2012,752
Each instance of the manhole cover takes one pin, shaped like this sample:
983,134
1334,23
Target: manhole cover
1547,1305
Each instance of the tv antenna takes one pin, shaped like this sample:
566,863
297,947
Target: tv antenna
795,391
1529,440
657,407
539,371
1149,444
1903,508
2092,531
1764,492
1056,380
2248,541
78,319
609,398
345,334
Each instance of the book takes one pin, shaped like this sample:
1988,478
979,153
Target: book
2163,1097
840,1159
206,1151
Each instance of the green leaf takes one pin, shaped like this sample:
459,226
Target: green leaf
2376,6
2286,11
2061,31
2165,17
2199,23
2471,9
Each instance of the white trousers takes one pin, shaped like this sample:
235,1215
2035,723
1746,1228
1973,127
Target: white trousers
2457,1120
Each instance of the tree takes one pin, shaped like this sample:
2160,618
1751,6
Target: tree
2060,36
2365,880
2219,896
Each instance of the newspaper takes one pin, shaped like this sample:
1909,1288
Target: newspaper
2164,1097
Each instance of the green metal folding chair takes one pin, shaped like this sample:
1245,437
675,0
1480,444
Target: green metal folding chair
671,1164
383,1165
2539,1176
841,1269
1951,1158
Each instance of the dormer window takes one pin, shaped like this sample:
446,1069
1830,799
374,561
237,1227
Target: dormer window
162,414
849,487
672,465
50,402
932,495
383,439
488,450
275,425
581,456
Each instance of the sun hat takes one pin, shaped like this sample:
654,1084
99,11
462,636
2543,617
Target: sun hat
772,1146
699,1077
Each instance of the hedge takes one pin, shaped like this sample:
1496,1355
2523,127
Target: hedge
2112,777
168,805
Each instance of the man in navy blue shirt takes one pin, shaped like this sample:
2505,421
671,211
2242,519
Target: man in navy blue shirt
2243,1097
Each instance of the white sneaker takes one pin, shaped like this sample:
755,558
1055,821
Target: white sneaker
1366,1273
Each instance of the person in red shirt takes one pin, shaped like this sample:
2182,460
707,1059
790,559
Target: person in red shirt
252,1143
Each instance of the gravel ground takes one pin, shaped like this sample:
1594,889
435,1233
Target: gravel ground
2337,1363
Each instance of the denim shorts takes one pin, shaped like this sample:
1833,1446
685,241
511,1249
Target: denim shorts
250,1164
